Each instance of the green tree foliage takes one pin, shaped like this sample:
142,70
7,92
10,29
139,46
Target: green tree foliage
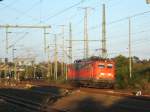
122,71
140,73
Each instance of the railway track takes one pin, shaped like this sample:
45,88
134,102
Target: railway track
125,95
36,107
121,93
116,93
113,92
29,105
22,103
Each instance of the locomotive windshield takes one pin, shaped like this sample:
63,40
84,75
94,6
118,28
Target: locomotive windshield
109,66
101,66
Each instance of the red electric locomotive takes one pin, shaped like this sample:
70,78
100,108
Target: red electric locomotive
92,73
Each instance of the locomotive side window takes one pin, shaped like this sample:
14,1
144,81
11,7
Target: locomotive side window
101,66
109,66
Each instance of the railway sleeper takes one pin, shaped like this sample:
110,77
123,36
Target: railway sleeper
22,103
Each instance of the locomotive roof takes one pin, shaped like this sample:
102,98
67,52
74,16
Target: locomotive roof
93,59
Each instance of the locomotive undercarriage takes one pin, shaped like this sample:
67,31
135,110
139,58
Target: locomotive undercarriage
93,84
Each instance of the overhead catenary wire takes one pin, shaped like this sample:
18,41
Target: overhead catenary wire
112,23
21,12
8,5
15,42
118,20
133,33
28,10
63,11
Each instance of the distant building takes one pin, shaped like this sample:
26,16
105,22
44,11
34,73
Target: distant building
24,61
3,60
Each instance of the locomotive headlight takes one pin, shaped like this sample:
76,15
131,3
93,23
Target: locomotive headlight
109,74
102,73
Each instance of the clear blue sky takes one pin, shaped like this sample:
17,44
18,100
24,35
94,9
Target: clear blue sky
50,12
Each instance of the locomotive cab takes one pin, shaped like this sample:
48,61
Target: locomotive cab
105,70
97,73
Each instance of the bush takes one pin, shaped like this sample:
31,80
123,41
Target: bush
140,74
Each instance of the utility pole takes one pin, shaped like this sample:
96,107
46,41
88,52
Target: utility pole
15,69
13,57
66,67
55,66
63,56
104,49
7,40
13,52
86,45
48,73
70,43
130,58
6,70
34,70
45,41
86,51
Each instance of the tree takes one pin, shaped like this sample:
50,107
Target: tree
122,71
141,73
